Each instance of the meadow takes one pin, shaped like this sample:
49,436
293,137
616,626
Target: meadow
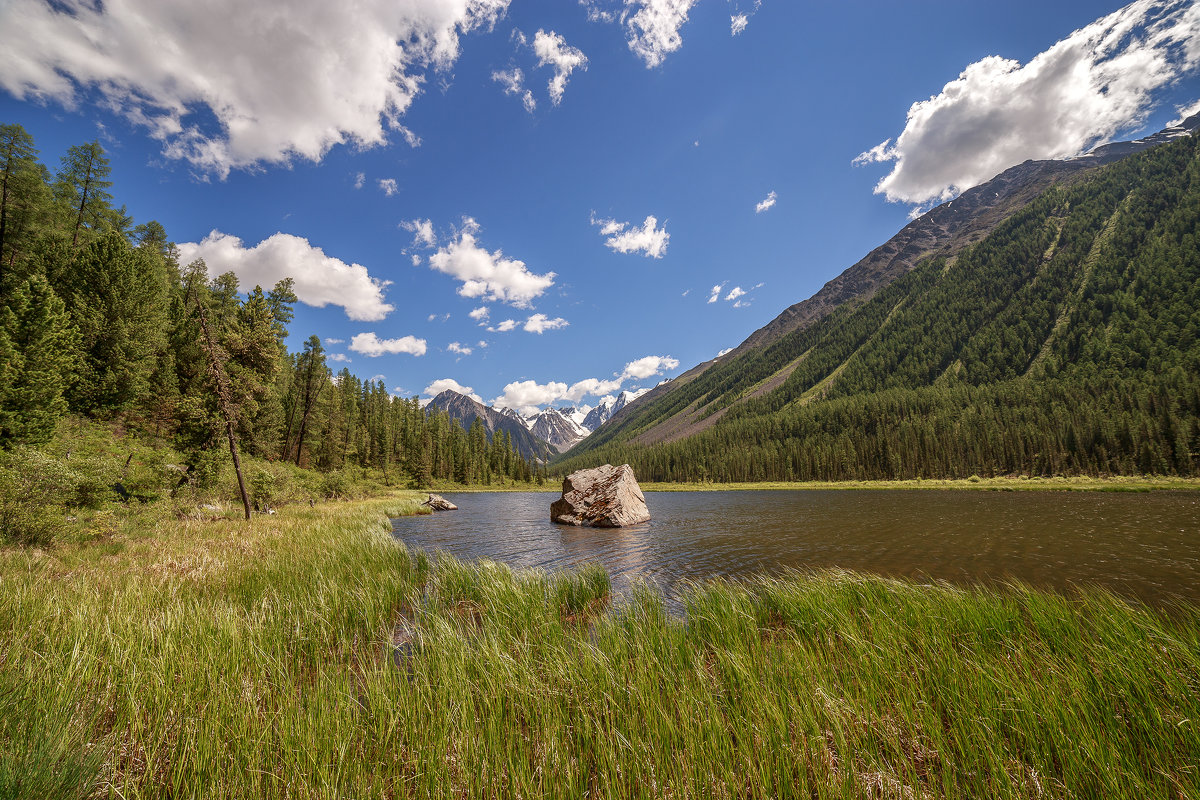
307,654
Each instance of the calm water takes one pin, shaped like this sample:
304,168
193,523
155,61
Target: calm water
1141,545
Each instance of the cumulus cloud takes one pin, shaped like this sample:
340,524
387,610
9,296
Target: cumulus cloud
320,279
553,51
738,23
504,327
735,293
768,202
416,259
225,84
480,314
455,347
649,239
647,366
540,323
1098,82
422,231
527,396
389,186
715,295
359,180
513,82
652,29
489,275
332,340
338,357
369,344
443,384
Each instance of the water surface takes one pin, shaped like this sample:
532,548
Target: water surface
1145,546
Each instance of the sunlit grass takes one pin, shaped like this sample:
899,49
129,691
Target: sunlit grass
310,655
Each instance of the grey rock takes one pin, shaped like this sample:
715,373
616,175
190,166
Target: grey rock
604,497
439,503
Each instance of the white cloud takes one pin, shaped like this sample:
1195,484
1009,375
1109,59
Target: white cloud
647,366
389,186
504,327
378,378
441,385
359,180
416,259
1083,91
553,51
455,347
320,279
540,323
735,293
1186,111
596,13
281,83
738,23
480,314
511,79
766,203
482,343
648,239
486,275
431,318
339,357
371,345
332,340
422,231
527,396
715,295
513,82
653,29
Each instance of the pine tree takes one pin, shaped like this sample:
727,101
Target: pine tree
82,187
39,348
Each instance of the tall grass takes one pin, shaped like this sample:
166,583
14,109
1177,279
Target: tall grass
309,655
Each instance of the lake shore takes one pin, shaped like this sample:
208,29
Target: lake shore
309,654
1118,483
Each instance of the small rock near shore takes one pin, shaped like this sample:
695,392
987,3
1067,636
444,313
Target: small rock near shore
604,497
439,503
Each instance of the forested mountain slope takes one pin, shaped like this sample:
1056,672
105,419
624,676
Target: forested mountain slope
1065,341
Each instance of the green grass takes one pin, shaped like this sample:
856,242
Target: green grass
1117,483
309,655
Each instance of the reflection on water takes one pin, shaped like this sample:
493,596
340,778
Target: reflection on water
1141,545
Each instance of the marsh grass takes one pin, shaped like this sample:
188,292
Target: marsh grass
310,655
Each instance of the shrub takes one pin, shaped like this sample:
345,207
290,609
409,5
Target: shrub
34,492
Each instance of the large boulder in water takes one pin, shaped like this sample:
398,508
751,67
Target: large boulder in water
439,503
604,497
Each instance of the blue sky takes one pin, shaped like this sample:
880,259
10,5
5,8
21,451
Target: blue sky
665,148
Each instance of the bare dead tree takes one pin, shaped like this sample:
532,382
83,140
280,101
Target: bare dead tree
224,397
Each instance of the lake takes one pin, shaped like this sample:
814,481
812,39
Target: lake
1144,546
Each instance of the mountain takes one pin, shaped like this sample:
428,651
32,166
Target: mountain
944,230
1045,321
607,409
467,410
557,429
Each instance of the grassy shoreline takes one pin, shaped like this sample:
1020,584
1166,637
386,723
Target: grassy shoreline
1117,483
310,655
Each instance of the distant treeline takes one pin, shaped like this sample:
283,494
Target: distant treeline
1065,342
99,318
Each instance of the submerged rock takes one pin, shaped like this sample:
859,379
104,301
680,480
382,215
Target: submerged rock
439,503
604,497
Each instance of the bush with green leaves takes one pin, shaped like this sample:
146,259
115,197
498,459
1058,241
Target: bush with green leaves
35,490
